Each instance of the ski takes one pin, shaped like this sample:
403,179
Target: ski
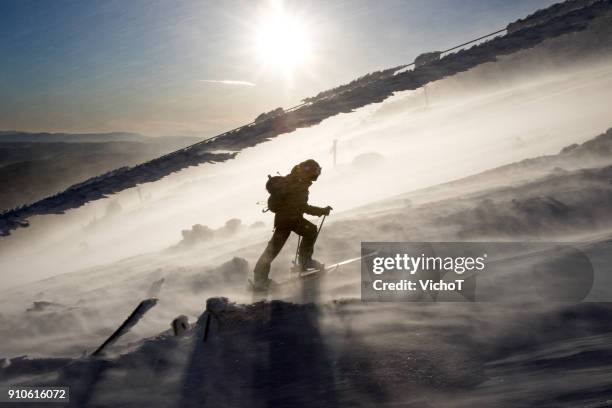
315,273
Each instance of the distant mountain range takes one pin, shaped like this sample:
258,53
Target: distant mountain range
36,165
13,136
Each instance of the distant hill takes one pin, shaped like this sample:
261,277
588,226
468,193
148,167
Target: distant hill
35,165
13,136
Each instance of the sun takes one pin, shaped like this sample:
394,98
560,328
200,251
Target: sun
282,41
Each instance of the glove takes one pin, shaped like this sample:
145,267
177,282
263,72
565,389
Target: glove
326,210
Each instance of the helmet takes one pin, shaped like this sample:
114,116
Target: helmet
309,168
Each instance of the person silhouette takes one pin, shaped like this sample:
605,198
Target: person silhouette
289,201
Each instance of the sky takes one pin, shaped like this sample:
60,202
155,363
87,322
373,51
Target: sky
199,68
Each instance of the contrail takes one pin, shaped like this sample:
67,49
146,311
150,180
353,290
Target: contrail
227,82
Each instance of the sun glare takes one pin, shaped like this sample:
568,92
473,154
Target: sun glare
282,41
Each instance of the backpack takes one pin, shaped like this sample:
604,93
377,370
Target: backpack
277,186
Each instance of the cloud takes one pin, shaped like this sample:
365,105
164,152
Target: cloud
227,82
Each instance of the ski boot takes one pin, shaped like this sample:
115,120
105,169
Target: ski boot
312,265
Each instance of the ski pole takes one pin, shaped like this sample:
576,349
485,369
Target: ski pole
297,250
320,227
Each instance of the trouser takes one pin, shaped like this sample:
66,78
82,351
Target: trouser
306,229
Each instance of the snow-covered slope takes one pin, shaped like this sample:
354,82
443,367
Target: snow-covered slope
351,354
85,306
505,151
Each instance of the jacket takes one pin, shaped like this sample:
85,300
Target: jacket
295,200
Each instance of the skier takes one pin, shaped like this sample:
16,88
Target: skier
289,201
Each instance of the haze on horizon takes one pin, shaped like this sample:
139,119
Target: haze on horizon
200,68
